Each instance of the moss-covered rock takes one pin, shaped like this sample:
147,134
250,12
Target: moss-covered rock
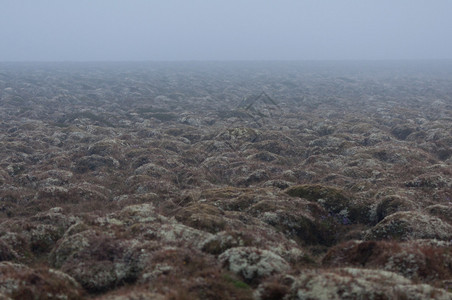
295,219
97,261
410,225
6,252
225,240
202,216
403,131
253,264
429,261
354,283
441,211
334,200
21,282
392,204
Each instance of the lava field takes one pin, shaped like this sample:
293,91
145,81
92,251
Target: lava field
226,180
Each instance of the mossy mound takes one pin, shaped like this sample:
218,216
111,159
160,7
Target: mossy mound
294,219
253,264
390,205
18,281
225,240
425,260
202,216
336,201
409,225
354,283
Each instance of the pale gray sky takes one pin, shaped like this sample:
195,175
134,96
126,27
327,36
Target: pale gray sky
99,30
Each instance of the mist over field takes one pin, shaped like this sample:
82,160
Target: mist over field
250,150
140,30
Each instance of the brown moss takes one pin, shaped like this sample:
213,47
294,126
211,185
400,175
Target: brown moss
213,285
420,261
21,282
390,205
202,216
94,140
402,131
316,192
272,290
193,275
442,211
408,225
6,253
223,193
334,200
225,240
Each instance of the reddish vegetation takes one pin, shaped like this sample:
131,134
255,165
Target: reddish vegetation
423,260
185,181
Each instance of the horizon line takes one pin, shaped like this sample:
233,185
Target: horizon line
228,60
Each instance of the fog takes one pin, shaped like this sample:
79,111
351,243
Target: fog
136,30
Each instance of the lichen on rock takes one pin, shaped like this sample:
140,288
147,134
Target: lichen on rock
252,263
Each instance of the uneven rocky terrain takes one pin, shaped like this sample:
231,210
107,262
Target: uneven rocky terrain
313,180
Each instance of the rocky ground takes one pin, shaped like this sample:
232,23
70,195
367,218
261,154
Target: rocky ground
226,180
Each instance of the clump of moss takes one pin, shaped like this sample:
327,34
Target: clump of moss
410,225
315,192
336,201
202,216
164,117
225,240
425,260
390,205
401,132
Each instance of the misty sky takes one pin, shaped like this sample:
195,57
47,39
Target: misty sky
112,30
